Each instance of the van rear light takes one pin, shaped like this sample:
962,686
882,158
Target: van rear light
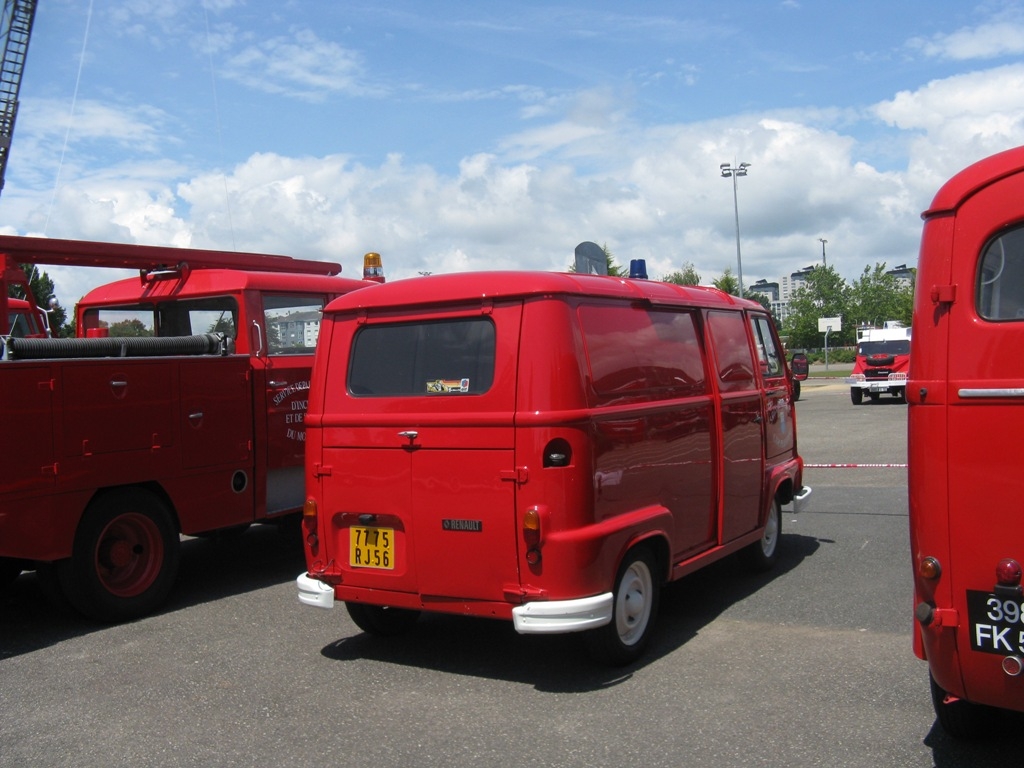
532,534
1008,573
929,568
309,522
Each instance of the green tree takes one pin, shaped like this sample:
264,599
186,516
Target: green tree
877,297
133,327
688,275
824,294
761,299
727,282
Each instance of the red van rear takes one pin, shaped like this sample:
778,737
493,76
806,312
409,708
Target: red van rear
543,448
966,395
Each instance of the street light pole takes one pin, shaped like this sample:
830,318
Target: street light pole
822,240
734,171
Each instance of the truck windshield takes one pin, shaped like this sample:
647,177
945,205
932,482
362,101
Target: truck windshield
894,347
23,324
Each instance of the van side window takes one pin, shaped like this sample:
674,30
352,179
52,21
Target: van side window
732,349
767,353
445,357
636,351
292,323
1000,289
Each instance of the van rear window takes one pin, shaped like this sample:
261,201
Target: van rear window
437,358
639,351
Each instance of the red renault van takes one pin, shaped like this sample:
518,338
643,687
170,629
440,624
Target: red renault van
543,448
966,395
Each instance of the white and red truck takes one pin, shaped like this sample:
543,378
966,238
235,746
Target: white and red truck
178,410
882,364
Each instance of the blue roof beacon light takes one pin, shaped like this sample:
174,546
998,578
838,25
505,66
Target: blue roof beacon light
638,269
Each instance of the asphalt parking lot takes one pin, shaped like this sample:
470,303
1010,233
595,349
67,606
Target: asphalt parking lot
809,665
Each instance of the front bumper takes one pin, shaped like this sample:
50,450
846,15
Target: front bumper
314,592
542,617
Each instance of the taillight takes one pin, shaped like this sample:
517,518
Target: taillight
532,534
309,523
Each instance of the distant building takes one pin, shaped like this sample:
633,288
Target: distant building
903,275
297,329
789,284
771,290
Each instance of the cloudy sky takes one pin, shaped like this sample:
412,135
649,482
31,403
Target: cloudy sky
453,136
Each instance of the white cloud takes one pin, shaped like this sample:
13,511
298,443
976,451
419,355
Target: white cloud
985,41
302,66
959,119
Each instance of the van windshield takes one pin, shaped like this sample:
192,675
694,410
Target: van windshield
893,347
438,358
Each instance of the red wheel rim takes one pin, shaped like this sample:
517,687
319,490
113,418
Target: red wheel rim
129,555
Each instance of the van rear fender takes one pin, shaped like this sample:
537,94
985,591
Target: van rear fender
584,560
783,480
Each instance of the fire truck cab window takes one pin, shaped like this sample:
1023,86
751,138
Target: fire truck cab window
1000,289
213,315
123,321
292,324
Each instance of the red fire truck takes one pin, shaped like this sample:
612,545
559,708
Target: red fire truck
883,360
181,412
966,395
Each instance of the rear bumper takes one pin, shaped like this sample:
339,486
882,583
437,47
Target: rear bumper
314,592
800,496
561,616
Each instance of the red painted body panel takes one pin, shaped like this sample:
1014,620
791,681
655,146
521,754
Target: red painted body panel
204,433
965,422
654,449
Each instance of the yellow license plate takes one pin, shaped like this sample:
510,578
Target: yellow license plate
371,547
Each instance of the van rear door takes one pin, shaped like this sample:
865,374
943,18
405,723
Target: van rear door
985,421
419,436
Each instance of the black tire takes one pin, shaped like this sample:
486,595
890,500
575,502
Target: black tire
762,555
856,395
634,608
960,719
125,557
382,620
796,389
